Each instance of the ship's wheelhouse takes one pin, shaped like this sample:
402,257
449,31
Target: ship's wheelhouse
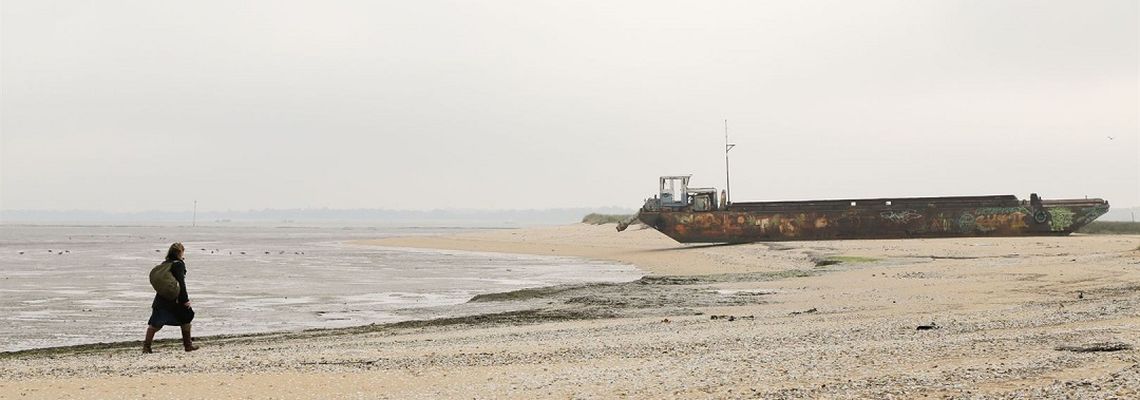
674,193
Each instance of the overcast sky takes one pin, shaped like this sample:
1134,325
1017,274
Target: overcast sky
150,105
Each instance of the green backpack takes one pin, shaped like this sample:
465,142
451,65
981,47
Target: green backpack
163,281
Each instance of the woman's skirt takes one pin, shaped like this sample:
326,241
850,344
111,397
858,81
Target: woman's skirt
166,312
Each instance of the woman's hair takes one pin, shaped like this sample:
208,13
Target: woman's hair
175,252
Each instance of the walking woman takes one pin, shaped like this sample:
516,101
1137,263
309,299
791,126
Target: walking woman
170,309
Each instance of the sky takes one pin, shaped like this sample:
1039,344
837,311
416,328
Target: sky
127,106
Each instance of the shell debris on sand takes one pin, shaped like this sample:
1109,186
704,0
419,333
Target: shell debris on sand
1000,320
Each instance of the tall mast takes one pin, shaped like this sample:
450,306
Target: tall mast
727,182
194,221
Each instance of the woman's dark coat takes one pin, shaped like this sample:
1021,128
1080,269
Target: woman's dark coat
167,312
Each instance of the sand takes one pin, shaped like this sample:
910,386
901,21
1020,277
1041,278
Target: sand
958,318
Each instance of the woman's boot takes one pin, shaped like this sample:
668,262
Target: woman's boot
187,343
150,331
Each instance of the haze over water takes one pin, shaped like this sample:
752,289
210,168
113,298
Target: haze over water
288,279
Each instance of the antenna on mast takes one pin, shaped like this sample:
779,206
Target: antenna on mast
727,182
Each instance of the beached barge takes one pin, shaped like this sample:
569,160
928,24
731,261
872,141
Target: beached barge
694,215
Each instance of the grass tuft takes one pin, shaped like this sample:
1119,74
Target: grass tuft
599,219
832,260
853,259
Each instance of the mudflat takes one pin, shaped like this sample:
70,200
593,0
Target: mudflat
1036,317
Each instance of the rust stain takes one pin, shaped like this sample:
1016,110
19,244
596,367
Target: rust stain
752,222
820,222
697,216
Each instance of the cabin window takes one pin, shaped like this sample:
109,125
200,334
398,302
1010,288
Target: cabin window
673,189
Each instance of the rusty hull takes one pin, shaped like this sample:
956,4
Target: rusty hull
929,217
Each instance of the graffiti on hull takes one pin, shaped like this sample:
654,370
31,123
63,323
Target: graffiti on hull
900,217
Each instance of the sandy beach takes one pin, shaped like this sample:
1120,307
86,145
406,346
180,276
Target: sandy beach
1039,317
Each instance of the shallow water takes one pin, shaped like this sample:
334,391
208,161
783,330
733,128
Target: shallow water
88,284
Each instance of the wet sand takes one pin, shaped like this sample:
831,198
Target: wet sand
959,318
248,279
